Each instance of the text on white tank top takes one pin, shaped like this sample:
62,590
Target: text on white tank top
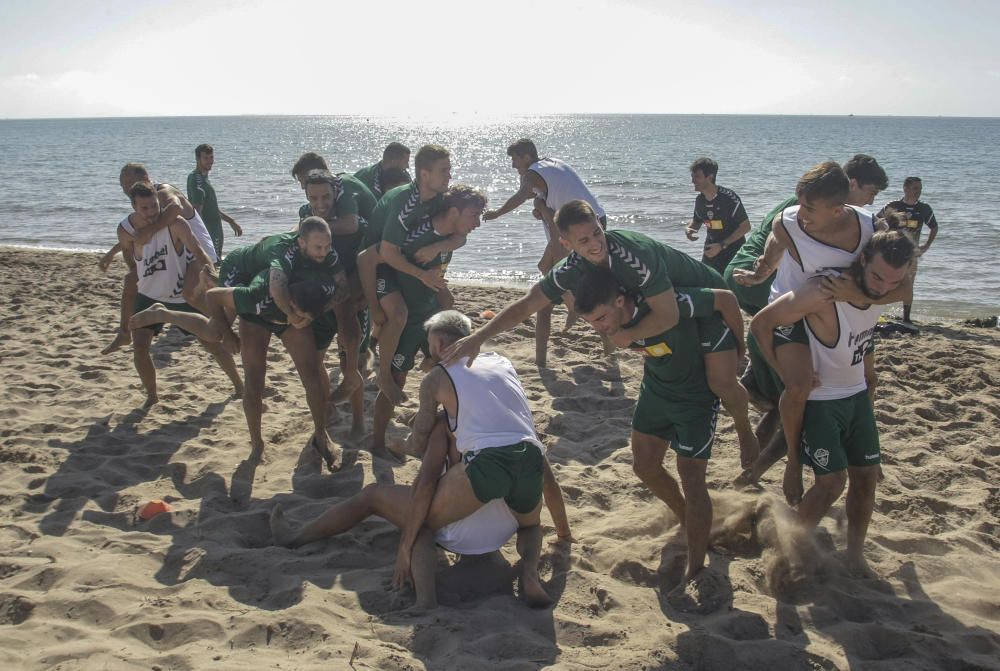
841,368
814,256
161,269
563,185
492,409
200,233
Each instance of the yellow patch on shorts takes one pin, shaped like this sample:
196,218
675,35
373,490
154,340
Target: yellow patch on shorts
659,349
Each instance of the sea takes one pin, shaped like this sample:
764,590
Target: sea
59,178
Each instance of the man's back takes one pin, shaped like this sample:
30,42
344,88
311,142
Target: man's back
492,410
563,185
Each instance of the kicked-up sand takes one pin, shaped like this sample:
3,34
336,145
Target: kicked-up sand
86,584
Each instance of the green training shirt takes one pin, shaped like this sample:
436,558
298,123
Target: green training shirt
642,265
201,193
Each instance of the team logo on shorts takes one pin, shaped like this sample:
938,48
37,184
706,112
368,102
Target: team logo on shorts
398,360
785,331
380,285
822,457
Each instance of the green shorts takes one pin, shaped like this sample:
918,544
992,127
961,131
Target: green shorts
689,427
714,335
324,329
792,333
840,433
412,340
751,299
143,302
768,382
254,297
386,281
514,473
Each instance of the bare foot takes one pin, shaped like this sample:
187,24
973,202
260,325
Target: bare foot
859,568
702,592
148,317
388,386
321,443
122,338
238,389
747,478
352,381
533,593
151,400
281,532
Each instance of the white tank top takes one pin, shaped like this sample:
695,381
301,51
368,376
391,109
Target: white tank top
563,185
814,256
486,530
200,232
841,368
161,269
492,408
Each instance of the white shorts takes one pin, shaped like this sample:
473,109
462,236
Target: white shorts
486,530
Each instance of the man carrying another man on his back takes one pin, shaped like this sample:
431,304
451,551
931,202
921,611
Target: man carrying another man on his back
839,436
162,264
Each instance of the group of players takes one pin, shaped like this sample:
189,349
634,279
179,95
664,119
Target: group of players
370,253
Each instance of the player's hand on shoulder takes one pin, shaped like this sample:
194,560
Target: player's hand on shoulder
464,347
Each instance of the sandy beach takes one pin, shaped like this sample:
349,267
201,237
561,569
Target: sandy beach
86,584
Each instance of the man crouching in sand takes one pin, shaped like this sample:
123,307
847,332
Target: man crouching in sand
492,489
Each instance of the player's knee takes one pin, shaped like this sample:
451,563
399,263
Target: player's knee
691,472
645,461
864,478
369,493
832,485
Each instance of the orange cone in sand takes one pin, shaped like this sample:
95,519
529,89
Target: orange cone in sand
154,508
487,314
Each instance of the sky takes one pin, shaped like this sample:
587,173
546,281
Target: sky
411,58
